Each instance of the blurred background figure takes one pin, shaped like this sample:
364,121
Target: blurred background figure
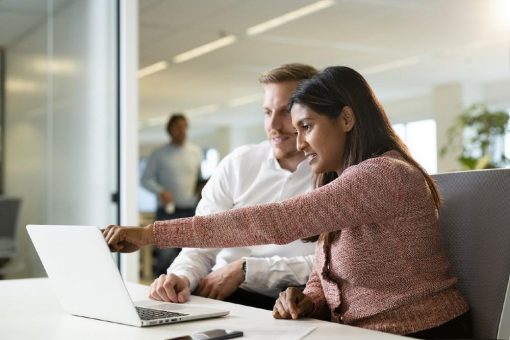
172,173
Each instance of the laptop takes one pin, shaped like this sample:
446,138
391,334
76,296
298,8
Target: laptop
87,282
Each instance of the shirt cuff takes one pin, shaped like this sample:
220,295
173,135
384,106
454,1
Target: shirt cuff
254,269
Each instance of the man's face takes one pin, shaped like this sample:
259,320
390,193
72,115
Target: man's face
277,122
178,131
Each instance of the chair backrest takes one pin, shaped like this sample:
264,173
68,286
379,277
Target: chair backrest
504,324
475,226
9,207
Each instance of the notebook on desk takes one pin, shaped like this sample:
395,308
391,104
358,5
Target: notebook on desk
87,282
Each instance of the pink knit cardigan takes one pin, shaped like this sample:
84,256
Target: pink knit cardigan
386,271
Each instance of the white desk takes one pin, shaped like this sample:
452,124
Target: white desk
31,311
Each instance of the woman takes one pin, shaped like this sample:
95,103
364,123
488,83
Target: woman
379,262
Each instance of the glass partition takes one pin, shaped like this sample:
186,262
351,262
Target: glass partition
60,118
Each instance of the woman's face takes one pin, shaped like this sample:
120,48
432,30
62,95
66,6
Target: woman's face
321,138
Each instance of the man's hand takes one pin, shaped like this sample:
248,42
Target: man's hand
166,197
292,303
223,282
128,239
170,288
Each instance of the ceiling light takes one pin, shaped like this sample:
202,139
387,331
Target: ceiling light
156,121
190,113
395,64
201,50
283,19
473,46
55,65
504,12
159,66
21,85
245,100
201,110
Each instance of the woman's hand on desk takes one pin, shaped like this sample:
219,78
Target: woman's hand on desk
128,239
292,304
170,288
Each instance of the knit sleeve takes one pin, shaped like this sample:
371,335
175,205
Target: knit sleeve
370,192
315,292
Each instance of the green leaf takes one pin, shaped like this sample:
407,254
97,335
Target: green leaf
484,127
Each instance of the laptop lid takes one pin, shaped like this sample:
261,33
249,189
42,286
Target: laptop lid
86,280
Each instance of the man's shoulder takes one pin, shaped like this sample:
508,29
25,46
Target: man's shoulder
194,148
159,150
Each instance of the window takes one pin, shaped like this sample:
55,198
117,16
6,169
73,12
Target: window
209,163
420,138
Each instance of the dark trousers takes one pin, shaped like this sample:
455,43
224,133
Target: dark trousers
458,328
246,298
162,258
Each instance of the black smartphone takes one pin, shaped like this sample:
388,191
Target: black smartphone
213,334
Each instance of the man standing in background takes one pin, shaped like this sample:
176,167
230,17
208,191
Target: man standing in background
271,171
172,173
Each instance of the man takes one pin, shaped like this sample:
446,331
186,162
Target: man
172,173
267,172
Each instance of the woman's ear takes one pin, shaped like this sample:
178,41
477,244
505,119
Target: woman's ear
347,119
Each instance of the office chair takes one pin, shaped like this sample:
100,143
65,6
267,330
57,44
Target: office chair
475,227
9,208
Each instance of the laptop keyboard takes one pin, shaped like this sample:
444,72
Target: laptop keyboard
152,314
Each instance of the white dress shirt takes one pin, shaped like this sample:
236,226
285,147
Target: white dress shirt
251,175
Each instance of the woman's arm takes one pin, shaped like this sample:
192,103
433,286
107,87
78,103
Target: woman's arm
315,292
370,192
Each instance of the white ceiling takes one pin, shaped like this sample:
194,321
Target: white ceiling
403,47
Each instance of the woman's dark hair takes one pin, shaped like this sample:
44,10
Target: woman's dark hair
327,94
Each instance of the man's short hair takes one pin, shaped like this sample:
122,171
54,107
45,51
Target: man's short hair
173,119
288,72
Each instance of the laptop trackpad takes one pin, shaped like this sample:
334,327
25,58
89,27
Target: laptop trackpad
171,307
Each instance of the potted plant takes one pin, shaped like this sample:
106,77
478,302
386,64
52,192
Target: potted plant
477,136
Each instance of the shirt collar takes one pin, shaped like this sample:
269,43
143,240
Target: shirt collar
271,159
273,162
